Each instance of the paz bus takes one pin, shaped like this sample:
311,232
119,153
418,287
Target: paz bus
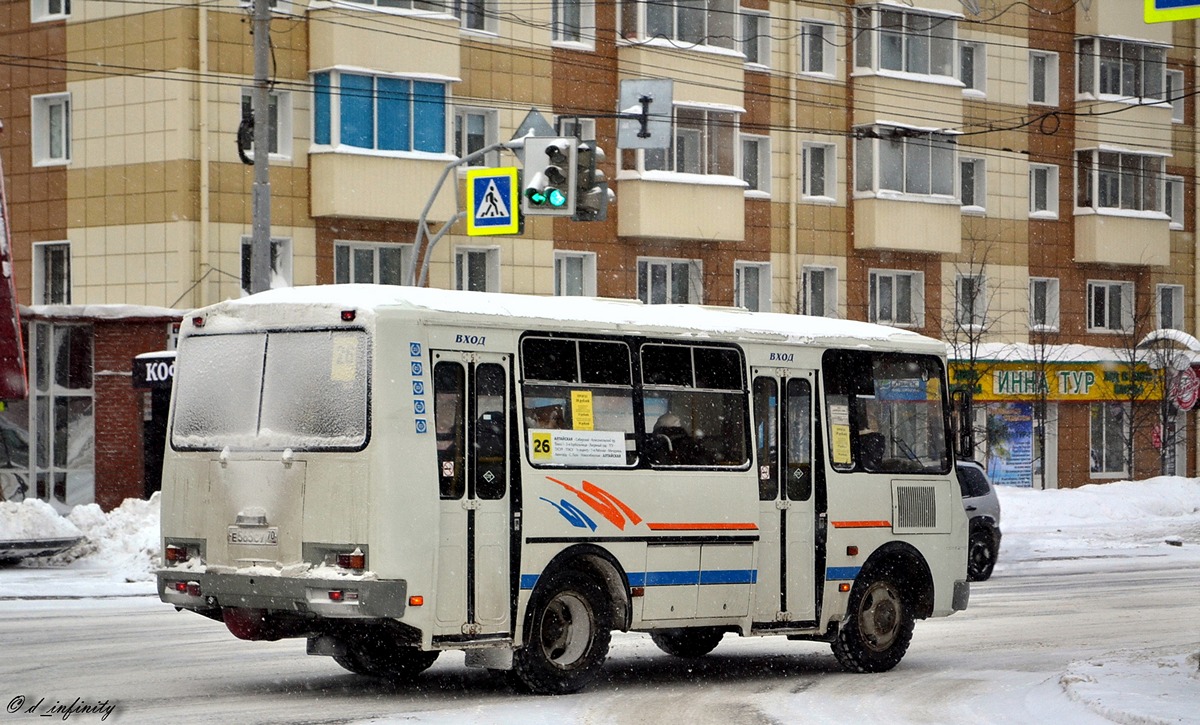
391,472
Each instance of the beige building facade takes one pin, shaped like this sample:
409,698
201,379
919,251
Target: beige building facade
983,172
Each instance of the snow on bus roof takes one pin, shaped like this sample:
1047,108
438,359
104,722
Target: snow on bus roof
369,299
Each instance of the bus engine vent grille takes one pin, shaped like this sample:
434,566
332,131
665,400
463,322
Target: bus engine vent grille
916,507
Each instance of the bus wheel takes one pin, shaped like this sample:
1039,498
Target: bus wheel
878,626
690,642
567,637
385,659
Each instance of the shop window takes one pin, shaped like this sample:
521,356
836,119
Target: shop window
1110,429
63,435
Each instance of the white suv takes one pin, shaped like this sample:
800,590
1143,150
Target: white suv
983,508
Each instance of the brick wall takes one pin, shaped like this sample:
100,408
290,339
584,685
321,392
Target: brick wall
118,406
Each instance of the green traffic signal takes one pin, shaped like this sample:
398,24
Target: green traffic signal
536,197
556,198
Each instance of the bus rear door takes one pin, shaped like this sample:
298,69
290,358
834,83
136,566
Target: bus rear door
471,417
783,418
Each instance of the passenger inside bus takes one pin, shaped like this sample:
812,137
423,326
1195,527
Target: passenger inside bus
672,444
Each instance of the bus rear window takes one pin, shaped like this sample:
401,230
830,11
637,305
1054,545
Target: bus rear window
301,390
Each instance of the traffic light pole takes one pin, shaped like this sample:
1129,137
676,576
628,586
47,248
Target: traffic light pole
422,256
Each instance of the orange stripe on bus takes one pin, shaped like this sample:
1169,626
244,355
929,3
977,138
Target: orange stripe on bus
702,527
861,524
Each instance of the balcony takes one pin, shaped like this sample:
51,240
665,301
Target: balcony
907,226
1123,239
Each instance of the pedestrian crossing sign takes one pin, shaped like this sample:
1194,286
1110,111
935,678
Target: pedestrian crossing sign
1166,11
491,206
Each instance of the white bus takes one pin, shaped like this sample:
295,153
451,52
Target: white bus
391,472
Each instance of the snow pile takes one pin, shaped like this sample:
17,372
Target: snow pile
33,519
1138,688
1098,519
124,542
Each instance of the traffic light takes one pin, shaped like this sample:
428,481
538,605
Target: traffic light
591,187
549,189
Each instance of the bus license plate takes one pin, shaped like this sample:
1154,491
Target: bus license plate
258,536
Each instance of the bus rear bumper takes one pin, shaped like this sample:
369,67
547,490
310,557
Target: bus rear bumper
209,593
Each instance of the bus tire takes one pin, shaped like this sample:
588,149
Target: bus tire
386,660
567,635
687,642
878,626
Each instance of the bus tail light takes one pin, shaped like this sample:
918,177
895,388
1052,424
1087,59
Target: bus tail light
416,600
348,315
175,554
844,587
193,589
352,560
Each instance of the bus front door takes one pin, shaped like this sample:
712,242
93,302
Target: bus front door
785,592
471,419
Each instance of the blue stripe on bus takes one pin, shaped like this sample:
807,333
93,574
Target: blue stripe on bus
675,578
842,572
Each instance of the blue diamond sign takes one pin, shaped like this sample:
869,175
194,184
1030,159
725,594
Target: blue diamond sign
491,207
1165,11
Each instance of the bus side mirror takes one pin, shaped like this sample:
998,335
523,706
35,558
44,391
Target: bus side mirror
961,424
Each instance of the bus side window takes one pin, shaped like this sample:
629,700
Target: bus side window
491,438
766,421
799,447
449,395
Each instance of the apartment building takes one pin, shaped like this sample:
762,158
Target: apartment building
1017,179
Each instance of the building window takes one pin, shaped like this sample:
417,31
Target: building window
819,170
281,263
1116,180
1173,199
663,281
575,274
972,66
433,6
477,15
703,144
1043,304
1110,306
1170,307
756,37
756,163
817,48
573,21
1043,191
889,158
897,298
970,301
366,263
752,286
475,128
279,115
1177,96
1043,78
477,270
52,273
1110,428
1121,68
819,291
379,112
888,38
51,129
972,184
688,22
43,10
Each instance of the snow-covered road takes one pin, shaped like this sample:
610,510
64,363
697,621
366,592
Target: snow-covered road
1092,616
